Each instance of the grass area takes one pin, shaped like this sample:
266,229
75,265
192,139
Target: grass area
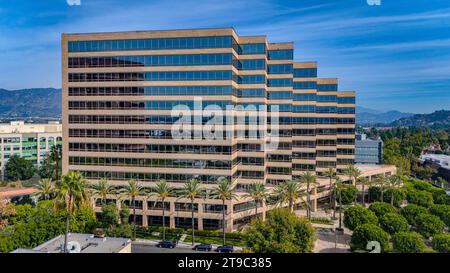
321,220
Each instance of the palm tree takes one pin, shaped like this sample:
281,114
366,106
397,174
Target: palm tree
162,190
352,172
71,195
339,187
223,191
380,180
191,190
46,188
257,192
55,155
289,191
393,182
133,190
102,189
363,181
330,173
308,179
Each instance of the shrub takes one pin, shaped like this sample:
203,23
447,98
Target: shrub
282,232
399,196
443,212
421,198
410,212
381,208
357,215
348,194
366,233
429,225
441,243
393,223
443,199
375,194
408,242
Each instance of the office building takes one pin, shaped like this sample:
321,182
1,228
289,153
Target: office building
119,90
368,151
31,141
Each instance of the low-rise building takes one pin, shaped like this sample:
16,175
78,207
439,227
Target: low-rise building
28,140
368,151
82,243
440,163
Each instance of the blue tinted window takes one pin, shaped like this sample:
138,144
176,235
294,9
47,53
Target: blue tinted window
326,98
279,82
304,109
346,100
327,87
258,64
305,72
326,109
305,85
280,69
346,110
169,105
251,93
152,76
287,54
151,44
280,107
280,95
188,90
252,49
305,97
252,79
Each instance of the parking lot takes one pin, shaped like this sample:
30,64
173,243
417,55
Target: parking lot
139,247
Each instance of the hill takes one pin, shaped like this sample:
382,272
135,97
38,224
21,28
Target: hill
367,116
438,119
40,103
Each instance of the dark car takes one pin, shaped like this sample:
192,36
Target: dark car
167,244
225,249
203,247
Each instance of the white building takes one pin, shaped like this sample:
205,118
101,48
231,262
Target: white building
28,140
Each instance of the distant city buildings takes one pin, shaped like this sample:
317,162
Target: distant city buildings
368,151
30,141
439,163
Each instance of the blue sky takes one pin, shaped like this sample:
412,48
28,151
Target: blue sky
396,56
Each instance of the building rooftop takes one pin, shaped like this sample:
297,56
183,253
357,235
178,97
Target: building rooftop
11,192
442,160
88,242
19,127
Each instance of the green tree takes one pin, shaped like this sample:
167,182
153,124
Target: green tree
258,193
365,233
331,174
110,215
408,242
352,172
282,232
443,212
290,192
393,223
18,168
339,188
71,196
393,182
363,181
102,189
56,156
441,243
46,188
309,180
410,212
348,194
421,198
381,208
380,181
224,191
133,190
357,215
429,225
124,214
191,190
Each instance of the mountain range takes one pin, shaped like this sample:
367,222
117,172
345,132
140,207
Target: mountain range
367,116
438,119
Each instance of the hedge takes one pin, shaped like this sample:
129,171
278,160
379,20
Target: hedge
408,242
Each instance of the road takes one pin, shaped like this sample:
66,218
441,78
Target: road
150,248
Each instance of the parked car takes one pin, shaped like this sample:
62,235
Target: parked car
203,247
167,244
225,249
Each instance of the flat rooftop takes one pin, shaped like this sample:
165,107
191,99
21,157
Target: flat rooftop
88,242
20,127
442,160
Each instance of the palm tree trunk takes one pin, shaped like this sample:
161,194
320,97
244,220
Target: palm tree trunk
334,202
392,197
382,192
66,235
340,210
164,219
291,206
193,226
223,221
256,209
331,197
134,217
363,196
308,199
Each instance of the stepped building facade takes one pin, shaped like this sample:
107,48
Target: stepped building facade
147,106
